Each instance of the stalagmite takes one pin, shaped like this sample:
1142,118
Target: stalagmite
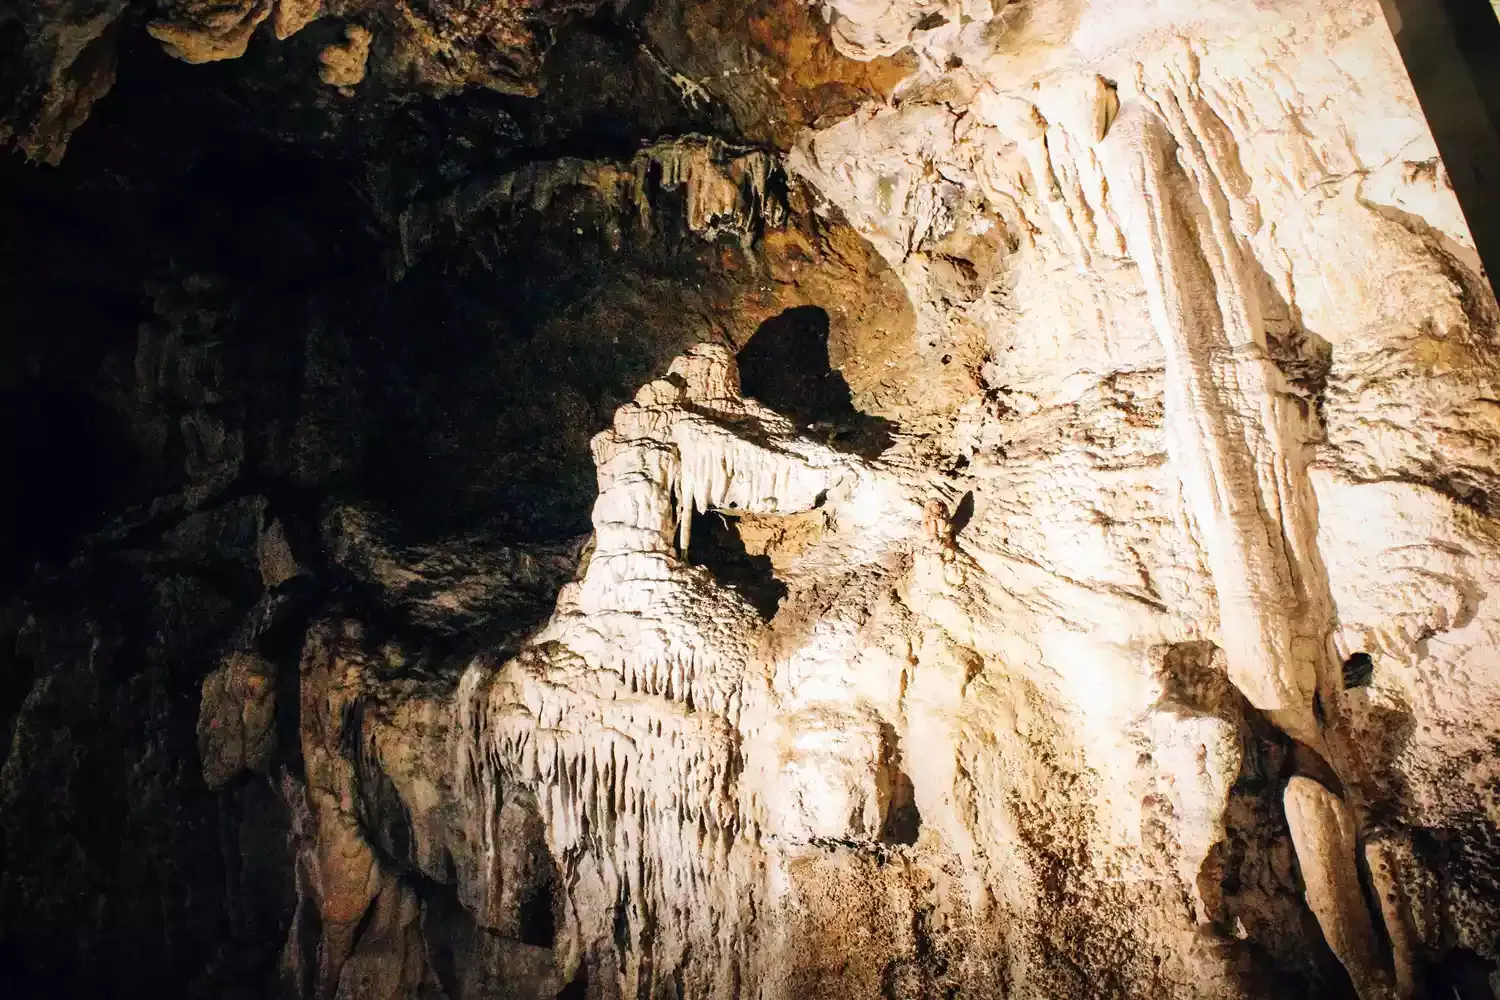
1324,834
1385,861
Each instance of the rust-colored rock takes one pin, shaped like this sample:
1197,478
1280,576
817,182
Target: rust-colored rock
344,65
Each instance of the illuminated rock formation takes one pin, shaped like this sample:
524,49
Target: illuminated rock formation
1043,538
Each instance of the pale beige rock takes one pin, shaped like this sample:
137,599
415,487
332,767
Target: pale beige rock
1214,241
1324,834
1384,858
856,731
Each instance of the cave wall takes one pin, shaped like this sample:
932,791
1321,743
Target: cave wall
273,352
920,499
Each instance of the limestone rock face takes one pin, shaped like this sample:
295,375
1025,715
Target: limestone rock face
945,498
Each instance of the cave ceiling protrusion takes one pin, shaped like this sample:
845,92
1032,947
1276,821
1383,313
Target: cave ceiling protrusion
775,66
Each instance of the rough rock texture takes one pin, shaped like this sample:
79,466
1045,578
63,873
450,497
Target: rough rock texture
61,56
58,60
897,499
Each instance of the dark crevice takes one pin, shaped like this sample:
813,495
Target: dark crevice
963,513
577,987
786,366
903,820
537,921
715,544
1462,974
66,466
1359,670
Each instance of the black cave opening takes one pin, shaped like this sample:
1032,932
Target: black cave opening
786,365
717,544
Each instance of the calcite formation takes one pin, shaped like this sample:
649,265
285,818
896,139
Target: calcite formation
722,190
344,65
1188,256
200,32
1120,621
1210,206
986,761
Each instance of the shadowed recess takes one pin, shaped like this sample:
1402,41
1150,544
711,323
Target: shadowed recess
786,366
716,544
